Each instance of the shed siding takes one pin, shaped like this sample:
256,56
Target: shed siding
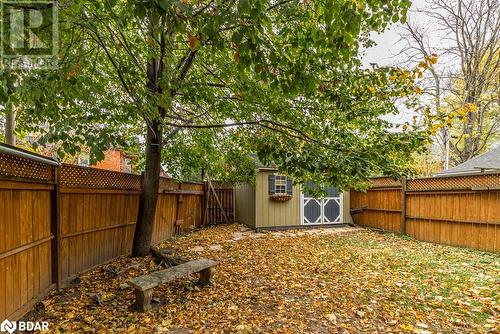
272,214
346,202
244,202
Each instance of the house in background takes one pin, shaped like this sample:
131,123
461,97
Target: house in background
114,159
273,202
486,162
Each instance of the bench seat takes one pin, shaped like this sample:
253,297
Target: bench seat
145,284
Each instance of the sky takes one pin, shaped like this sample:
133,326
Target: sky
387,49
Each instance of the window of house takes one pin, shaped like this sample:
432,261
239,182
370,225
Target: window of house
128,165
84,160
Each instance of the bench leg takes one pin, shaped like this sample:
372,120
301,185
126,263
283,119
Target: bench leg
143,299
206,276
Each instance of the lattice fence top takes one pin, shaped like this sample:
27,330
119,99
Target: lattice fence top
382,182
85,177
14,166
167,184
465,182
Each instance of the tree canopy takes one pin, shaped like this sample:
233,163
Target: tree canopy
285,74
464,84
205,84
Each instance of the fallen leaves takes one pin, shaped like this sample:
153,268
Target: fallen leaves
294,282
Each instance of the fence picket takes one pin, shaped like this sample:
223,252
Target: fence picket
89,213
459,211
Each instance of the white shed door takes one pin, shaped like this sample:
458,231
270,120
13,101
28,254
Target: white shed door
321,211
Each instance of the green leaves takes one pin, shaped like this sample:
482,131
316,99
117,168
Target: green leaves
279,79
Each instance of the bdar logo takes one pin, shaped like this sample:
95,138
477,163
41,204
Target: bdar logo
8,326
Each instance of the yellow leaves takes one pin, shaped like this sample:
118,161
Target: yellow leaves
360,5
193,42
433,59
371,89
332,318
74,71
435,128
164,326
407,327
70,315
462,112
292,282
405,74
107,296
423,64
242,328
428,61
419,90
471,107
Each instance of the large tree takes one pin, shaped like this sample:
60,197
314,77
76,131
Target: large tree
8,105
465,36
212,81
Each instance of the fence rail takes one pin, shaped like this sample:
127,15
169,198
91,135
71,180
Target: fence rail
58,220
457,210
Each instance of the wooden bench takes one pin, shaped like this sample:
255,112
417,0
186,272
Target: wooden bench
145,284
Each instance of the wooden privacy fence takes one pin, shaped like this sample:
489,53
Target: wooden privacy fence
455,210
59,220
219,202
26,232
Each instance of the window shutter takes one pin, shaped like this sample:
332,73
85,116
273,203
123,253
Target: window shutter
289,186
272,179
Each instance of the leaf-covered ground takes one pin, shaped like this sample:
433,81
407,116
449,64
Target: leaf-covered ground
361,282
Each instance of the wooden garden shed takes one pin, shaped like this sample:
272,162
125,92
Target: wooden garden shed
273,202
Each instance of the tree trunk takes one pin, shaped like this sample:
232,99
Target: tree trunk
151,179
149,196
10,126
469,151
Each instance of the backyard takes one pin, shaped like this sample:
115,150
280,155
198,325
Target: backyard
315,281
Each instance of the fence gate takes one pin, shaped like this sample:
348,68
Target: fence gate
322,211
222,199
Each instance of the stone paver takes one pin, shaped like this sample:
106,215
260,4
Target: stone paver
215,248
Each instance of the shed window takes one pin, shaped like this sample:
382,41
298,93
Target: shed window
280,185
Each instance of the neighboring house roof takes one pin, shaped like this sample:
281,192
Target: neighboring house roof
486,162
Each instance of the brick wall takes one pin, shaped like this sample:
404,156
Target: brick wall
113,160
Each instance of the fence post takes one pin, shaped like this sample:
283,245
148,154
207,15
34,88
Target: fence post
179,198
205,204
55,227
403,205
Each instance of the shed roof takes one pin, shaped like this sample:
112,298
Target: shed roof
486,162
